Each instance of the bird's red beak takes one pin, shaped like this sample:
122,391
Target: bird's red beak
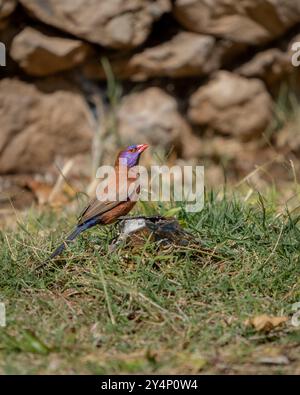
141,148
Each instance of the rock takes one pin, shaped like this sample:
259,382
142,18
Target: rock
7,7
186,54
266,323
41,55
232,105
114,23
274,360
13,194
36,127
135,232
151,116
270,66
238,158
252,22
288,138
220,148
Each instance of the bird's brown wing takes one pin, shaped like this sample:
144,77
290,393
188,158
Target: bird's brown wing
96,208
99,207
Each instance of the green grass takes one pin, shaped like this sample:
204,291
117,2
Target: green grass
150,311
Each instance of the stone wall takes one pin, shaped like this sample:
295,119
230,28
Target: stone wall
201,77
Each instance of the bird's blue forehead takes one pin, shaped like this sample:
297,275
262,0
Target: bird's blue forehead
127,153
131,147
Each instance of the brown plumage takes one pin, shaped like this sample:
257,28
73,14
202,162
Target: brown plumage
104,212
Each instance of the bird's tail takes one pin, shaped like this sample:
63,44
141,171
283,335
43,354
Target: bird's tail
80,228
71,237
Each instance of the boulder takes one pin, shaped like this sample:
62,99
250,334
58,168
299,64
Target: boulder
235,159
220,148
288,138
232,105
165,232
40,55
36,127
151,116
7,7
114,23
186,54
252,22
270,66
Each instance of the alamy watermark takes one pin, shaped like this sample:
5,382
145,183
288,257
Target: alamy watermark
296,56
295,321
2,315
158,184
2,55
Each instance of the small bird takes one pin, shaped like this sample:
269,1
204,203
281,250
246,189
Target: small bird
103,211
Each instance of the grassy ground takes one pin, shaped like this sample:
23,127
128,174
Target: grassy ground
146,311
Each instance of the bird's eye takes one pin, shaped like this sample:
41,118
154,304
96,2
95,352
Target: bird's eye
132,150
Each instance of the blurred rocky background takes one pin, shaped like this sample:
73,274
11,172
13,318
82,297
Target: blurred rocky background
202,81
